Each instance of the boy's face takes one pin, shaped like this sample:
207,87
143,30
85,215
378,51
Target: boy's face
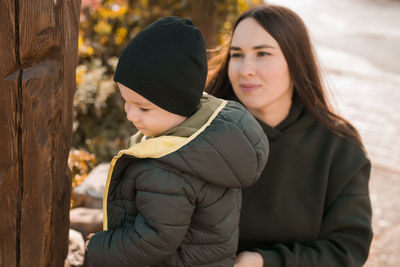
148,118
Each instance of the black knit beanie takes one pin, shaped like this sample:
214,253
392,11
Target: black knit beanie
166,63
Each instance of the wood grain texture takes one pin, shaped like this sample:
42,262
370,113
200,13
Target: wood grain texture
70,42
41,59
38,44
9,163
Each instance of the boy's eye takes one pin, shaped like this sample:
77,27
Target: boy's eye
144,109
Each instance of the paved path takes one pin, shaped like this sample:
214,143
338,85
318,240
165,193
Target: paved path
358,43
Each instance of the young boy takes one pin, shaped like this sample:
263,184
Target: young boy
173,198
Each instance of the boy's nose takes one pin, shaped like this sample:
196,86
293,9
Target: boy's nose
132,116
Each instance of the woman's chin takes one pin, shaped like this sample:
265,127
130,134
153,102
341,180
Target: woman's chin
252,102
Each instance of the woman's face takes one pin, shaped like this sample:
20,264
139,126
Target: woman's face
258,70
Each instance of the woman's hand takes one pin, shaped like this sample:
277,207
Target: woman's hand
89,236
249,259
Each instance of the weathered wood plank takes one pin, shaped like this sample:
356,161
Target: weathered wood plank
70,41
48,82
42,79
9,162
38,51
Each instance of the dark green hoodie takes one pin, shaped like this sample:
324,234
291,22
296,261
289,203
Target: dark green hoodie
174,200
311,205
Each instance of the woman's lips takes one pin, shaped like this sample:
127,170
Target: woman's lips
249,87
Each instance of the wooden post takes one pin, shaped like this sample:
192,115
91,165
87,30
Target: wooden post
38,57
204,14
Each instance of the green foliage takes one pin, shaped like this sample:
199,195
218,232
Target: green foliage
100,126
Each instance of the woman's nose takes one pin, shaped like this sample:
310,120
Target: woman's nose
248,67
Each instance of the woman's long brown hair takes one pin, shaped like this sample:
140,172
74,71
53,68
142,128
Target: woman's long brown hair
290,32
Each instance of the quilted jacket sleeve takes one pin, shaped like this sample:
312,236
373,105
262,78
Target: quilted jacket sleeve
165,207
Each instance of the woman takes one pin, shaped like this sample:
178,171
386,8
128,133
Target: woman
311,205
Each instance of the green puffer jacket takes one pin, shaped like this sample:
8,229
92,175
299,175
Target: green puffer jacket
174,200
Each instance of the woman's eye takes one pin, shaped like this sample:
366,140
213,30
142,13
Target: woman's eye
263,54
144,109
236,55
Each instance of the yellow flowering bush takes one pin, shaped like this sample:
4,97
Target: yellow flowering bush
80,163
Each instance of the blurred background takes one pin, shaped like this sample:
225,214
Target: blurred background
357,42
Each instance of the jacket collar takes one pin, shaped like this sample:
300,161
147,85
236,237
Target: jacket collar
175,138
